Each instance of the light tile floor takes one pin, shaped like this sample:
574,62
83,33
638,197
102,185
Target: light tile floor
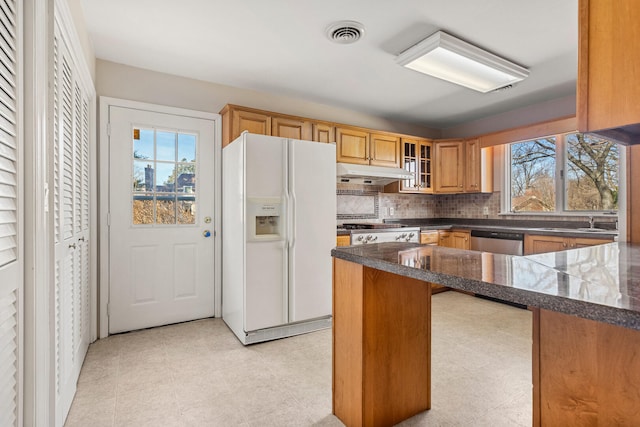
198,374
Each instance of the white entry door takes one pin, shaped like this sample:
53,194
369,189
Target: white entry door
161,206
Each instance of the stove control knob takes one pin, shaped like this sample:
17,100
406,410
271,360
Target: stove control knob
359,239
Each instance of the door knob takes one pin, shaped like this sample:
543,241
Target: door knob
206,233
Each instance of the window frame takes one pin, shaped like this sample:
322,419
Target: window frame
560,181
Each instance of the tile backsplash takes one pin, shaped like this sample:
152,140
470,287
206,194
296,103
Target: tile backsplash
365,202
369,202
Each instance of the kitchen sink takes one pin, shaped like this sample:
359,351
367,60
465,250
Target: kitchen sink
593,230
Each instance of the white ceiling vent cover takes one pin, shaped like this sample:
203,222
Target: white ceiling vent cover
345,32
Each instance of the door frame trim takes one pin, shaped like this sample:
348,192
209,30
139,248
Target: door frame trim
103,192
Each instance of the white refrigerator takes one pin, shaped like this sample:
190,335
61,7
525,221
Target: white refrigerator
278,229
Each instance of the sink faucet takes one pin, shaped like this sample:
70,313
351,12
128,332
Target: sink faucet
591,222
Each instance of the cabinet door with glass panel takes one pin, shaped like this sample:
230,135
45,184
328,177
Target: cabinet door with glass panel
416,158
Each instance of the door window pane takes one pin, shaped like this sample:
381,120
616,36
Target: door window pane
163,164
165,146
186,210
165,209
533,165
143,210
186,148
143,144
165,177
142,176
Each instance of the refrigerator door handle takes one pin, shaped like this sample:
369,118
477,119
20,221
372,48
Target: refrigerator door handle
291,192
292,231
285,283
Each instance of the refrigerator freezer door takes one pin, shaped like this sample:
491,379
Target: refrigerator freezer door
233,238
266,265
265,167
312,189
265,303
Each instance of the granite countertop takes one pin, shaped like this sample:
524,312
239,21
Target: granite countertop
600,282
542,231
544,228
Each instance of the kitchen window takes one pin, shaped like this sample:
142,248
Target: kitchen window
562,174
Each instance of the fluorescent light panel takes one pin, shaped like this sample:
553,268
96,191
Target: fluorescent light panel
448,58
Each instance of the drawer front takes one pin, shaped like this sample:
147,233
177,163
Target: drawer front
428,237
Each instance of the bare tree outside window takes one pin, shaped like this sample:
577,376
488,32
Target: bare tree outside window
591,174
533,166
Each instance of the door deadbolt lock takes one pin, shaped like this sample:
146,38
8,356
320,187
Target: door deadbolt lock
207,220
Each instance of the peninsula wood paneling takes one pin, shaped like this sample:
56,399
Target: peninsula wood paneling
348,286
382,346
588,372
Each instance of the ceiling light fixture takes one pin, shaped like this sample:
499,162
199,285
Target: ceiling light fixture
448,58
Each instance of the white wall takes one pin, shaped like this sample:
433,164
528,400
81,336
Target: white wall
548,110
75,7
137,84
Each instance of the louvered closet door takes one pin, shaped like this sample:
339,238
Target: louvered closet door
10,252
71,227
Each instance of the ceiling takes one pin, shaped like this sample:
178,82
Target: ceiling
280,46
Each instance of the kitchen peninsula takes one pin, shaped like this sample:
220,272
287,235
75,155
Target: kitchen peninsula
586,328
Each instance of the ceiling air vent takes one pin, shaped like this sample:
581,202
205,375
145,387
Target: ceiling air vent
345,32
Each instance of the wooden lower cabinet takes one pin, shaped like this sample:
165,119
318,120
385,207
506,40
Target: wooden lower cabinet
381,346
458,239
585,373
538,244
432,238
461,239
343,240
429,237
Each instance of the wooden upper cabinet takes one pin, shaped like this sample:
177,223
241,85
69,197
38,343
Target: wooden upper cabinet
384,150
323,132
236,120
415,156
352,145
449,170
291,128
608,64
472,168
252,122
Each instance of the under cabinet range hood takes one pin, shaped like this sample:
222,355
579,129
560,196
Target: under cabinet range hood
371,175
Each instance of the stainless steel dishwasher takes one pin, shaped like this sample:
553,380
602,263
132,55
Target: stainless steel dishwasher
497,242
